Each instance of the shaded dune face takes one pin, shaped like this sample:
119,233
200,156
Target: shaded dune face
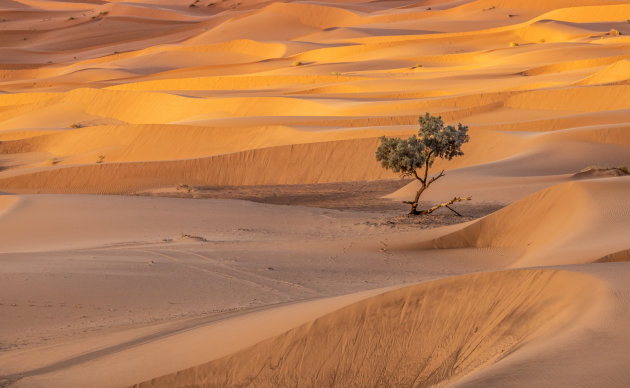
615,257
421,335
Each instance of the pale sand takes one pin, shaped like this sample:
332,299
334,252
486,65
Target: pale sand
112,290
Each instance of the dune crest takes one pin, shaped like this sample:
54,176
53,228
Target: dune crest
562,218
420,335
260,119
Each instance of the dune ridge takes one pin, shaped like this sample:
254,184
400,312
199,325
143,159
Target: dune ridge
150,98
562,218
239,168
407,337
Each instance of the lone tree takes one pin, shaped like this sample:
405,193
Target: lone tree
407,156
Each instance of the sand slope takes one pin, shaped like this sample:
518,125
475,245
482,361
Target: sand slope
140,97
407,337
579,221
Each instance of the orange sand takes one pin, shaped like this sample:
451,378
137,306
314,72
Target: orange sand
131,97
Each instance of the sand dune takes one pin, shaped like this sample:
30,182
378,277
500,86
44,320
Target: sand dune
283,103
407,337
255,167
562,218
617,72
127,143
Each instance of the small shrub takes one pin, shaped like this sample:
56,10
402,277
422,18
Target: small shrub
187,188
417,65
614,32
76,125
335,73
621,169
100,15
52,161
513,44
193,237
542,41
297,63
100,158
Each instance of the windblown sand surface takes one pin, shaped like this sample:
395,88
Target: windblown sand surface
190,195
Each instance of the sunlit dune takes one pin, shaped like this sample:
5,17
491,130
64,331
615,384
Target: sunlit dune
416,336
190,196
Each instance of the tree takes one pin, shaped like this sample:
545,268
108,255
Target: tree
407,156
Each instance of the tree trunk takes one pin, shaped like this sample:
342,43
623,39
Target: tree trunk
414,203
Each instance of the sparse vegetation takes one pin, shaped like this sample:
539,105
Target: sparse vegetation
607,170
407,156
186,188
52,161
76,125
417,65
335,73
100,15
191,237
100,158
297,63
614,32
542,41
513,44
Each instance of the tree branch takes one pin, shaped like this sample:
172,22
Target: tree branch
446,204
440,175
415,173
426,166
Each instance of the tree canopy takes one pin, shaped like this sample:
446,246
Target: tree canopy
434,140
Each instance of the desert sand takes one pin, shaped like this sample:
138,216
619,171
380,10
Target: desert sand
189,195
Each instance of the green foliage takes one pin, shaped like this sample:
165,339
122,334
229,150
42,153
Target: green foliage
100,158
434,140
400,155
